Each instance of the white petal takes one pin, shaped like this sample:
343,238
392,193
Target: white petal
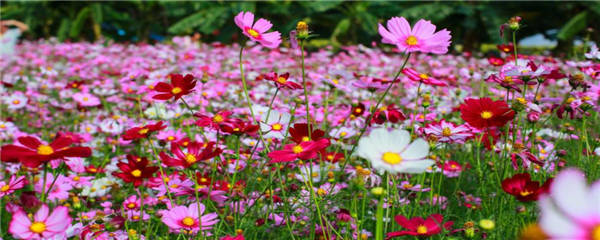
416,150
414,166
570,193
554,223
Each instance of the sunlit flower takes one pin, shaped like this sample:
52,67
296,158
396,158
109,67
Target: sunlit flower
257,31
421,38
42,225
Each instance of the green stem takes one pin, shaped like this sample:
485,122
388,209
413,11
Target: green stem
305,92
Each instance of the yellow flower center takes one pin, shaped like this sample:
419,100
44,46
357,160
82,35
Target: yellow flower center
45,150
143,131
596,233
276,127
391,158
421,229
321,192
189,158
343,134
188,221
4,188
253,33
446,132
305,139
486,114
85,99
525,193
136,173
16,102
423,76
176,90
131,205
297,149
76,178
170,138
281,80
174,186
411,40
218,118
37,227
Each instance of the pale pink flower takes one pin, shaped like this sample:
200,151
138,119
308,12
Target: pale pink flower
447,132
421,38
14,183
42,226
86,99
187,218
256,30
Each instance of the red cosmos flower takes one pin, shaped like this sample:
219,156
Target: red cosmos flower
135,170
525,190
389,113
92,169
418,227
282,80
214,121
332,157
238,237
33,152
496,61
484,112
195,152
299,133
179,86
74,84
358,110
507,48
238,127
422,77
304,150
143,132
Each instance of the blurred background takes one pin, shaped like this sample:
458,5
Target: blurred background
474,25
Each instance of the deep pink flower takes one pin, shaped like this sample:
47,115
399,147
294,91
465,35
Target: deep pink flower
256,30
13,184
304,150
42,226
422,77
421,38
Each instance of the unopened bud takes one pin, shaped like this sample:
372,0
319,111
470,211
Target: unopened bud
302,30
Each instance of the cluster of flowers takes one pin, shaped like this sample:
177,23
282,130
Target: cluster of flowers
139,150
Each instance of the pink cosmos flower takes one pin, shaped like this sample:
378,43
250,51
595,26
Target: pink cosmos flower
43,226
256,31
447,132
421,38
86,99
422,77
13,184
186,218
572,208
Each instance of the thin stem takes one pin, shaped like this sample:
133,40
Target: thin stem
305,92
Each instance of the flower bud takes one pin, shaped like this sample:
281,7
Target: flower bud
533,116
513,23
302,30
487,224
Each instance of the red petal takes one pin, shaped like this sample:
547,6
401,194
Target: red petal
30,142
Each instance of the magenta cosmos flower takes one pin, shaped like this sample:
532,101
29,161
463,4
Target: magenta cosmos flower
187,219
421,38
43,226
256,31
572,208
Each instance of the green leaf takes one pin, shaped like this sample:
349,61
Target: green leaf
77,25
205,21
432,11
573,26
341,28
96,12
320,6
63,29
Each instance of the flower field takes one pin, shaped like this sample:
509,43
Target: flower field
268,140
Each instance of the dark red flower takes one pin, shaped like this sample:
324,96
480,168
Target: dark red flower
238,127
358,110
389,113
525,190
33,152
143,131
332,157
92,169
135,170
496,61
299,133
179,87
484,112
507,48
74,84
282,80
418,226
304,150
196,152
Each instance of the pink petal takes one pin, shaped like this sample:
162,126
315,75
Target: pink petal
248,19
41,214
423,29
570,193
262,25
555,224
386,35
399,27
19,225
59,220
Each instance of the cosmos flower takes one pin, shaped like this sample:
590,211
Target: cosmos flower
33,152
43,225
418,226
421,38
16,101
186,218
135,170
179,87
86,99
447,132
388,113
571,209
14,183
214,121
523,188
299,133
256,31
305,150
282,80
143,131
484,112
392,151
422,77
196,152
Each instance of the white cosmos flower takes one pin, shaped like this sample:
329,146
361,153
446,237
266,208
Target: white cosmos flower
392,151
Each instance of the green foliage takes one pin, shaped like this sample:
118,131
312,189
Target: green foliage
338,22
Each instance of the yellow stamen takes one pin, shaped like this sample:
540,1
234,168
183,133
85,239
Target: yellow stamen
391,158
45,150
421,229
176,90
189,158
446,132
188,221
486,114
136,173
297,149
37,227
276,127
253,33
411,40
